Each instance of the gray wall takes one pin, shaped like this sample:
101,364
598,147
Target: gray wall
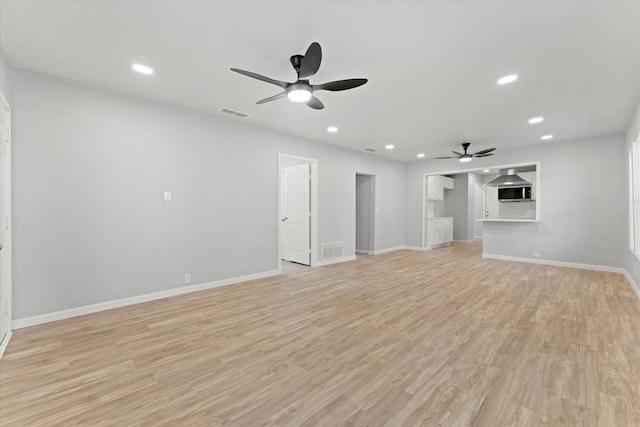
90,223
474,206
630,262
363,212
580,189
5,86
456,204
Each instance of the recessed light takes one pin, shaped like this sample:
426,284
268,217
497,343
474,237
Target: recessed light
535,120
389,146
546,137
486,171
421,155
508,79
142,69
332,129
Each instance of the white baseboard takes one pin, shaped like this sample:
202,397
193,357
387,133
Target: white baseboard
364,251
556,263
334,261
384,251
464,241
415,248
108,305
5,343
633,284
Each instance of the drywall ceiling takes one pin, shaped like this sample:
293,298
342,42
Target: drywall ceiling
432,66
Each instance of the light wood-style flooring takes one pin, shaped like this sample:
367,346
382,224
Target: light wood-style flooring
439,338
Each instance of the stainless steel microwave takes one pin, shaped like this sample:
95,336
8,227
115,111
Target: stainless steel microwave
514,194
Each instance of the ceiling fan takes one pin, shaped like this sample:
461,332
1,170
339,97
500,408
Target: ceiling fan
466,157
301,90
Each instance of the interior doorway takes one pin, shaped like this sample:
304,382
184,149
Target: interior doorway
5,221
297,209
365,213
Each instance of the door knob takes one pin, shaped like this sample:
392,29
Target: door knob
283,220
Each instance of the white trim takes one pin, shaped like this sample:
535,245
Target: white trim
633,284
5,343
364,252
415,248
384,251
464,241
8,244
108,305
555,263
335,261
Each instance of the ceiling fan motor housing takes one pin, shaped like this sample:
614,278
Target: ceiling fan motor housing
296,61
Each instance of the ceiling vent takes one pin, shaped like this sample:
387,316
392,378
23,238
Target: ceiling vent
372,150
233,112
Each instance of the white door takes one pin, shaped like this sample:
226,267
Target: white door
5,233
297,214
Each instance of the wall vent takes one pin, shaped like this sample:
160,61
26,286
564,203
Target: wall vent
233,112
332,250
373,150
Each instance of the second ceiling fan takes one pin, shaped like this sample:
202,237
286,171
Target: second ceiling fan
301,90
466,157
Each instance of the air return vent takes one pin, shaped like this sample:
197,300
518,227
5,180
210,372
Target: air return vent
332,250
373,150
233,112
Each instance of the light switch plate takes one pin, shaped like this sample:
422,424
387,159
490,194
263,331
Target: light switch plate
167,196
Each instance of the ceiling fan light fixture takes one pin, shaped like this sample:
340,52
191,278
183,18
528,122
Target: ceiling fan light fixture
466,158
299,95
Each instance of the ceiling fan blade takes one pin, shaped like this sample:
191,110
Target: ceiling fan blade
340,84
483,155
485,151
311,61
283,85
449,157
315,103
455,152
273,98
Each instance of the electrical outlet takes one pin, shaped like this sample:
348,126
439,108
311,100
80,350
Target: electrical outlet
187,278
536,254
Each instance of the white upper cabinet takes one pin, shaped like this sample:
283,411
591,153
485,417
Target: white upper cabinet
436,184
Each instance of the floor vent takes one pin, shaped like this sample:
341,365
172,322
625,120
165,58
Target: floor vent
373,150
332,250
233,112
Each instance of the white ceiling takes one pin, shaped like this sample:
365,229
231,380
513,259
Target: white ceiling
432,66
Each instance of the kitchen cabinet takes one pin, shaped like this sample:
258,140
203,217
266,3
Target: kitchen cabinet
436,184
446,182
439,231
435,191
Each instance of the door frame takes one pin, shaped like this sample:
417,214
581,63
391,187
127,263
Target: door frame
372,213
313,188
6,222
467,170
